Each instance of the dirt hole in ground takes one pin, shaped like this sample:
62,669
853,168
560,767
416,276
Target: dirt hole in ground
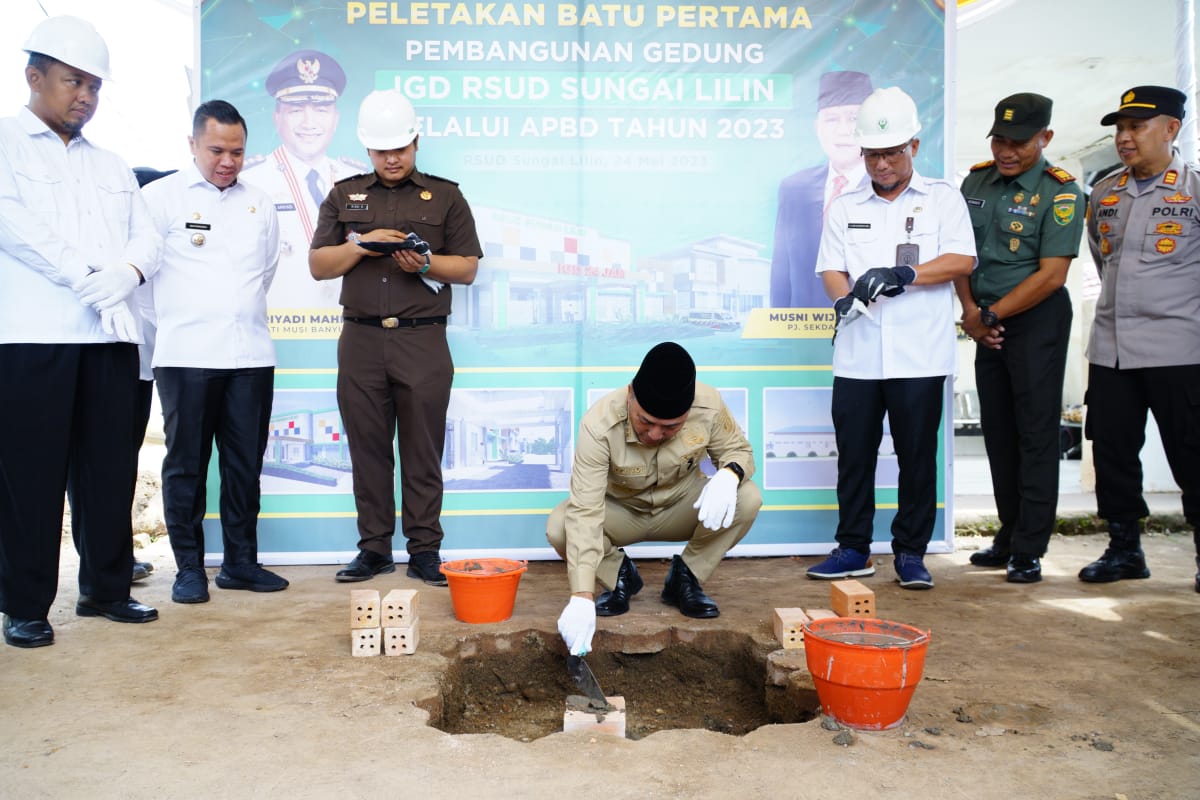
516,685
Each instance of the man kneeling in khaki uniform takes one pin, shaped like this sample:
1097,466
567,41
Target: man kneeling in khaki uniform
636,477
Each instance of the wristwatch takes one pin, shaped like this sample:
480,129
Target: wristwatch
736,469
425,268
988,317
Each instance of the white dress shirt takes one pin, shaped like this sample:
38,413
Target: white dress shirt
220,251
912,334
63,208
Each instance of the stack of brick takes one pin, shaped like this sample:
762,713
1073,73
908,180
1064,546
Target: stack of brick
391,627
848,598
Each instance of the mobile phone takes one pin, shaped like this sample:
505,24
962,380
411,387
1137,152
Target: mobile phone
908,254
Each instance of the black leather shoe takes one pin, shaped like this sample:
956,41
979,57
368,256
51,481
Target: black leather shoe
191,586
27,632
426,567
127,610
683,591
251,578
990,557
616,602
1116,565
141,571
366,565
1024,569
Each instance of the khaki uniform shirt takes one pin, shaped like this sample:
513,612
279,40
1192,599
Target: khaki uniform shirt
611,465
431,207
1038,214
1147,242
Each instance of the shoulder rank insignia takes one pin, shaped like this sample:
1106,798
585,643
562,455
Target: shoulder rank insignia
439,178
1124,180
1170,178
1059,174
350,178
982,165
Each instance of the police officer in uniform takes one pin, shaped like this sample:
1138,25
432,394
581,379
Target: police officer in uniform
1144,353
636,477
394,365
298,174
1028,218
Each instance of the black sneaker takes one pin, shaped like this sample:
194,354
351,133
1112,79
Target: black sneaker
426,567
252,578
191,586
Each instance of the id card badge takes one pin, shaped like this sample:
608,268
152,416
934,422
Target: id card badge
908,255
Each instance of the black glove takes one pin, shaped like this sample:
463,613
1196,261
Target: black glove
886,281
420,246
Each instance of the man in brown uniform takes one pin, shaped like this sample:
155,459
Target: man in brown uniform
397,238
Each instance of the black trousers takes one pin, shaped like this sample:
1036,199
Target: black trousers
1117,402
1020,402
914,409
233,408
68,412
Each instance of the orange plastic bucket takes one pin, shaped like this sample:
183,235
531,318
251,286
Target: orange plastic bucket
483,589
865,670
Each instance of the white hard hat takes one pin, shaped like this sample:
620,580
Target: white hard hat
386,120
73,41
887,118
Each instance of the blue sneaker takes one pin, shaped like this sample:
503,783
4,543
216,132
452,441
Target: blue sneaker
843,563
911,572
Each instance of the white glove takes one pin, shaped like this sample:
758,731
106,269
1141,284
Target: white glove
107,286
119,321
718,500
577,625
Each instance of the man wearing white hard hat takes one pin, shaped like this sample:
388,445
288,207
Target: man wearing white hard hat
398,238
71,253
889,253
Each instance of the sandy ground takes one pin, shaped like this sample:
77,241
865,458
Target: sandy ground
1058,690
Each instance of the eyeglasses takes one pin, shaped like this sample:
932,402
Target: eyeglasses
887,155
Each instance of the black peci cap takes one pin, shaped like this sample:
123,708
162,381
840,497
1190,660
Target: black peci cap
843,88
665,384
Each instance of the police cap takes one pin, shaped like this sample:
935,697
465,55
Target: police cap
306,76
1144,102
1021,116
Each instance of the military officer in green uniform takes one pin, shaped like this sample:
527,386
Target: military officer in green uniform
1028,218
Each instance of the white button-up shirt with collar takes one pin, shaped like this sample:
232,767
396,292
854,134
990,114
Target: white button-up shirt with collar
219,255
912,335
63,209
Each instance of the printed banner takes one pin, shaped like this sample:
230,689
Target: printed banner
639,172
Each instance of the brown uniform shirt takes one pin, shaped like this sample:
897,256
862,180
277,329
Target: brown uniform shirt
429,206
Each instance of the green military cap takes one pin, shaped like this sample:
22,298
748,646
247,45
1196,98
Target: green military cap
1021,116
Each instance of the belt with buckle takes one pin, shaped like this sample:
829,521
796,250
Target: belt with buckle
396,322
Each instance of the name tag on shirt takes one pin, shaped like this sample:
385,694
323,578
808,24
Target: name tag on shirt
197,226
356,206
864,226
975,201
285,206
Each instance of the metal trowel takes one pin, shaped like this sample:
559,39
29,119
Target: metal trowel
593,700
